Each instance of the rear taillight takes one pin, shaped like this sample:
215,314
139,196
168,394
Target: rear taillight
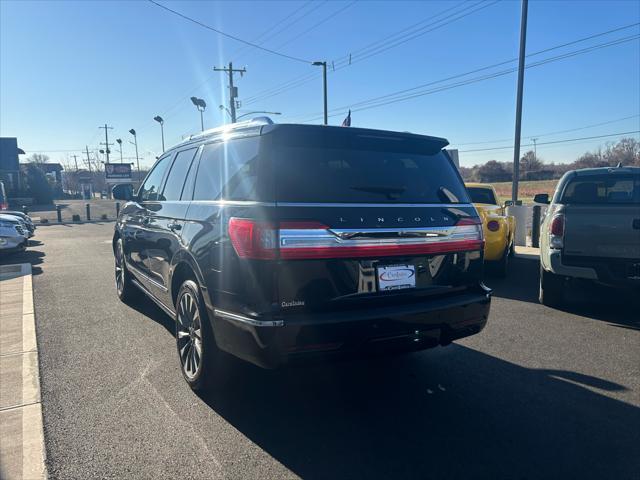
304,239
556,231
4,206
493,226
251,239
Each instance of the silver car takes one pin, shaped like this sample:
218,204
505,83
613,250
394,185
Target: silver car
591,231
13,235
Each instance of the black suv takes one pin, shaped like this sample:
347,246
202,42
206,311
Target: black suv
283,242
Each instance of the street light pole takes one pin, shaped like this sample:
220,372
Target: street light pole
516,147
324,83
135,140
119,140
201,105
159,119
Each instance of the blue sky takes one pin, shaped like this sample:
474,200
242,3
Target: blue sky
68,67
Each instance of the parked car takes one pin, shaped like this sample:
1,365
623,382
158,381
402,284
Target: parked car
13,237
4,201
591,231
281,242
499,228
21,221
26,219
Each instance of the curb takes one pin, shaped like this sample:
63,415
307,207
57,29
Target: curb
22,450
528,253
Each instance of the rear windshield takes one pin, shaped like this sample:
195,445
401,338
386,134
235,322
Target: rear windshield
481,195
603,189
333,175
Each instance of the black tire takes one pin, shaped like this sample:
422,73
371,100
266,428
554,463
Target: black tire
201,362
551,289
125,288
501,267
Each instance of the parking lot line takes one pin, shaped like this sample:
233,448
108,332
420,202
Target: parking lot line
22,453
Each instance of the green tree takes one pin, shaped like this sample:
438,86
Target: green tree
38,184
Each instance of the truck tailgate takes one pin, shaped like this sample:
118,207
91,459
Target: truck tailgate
611,231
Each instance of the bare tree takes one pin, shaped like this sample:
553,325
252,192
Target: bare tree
38,158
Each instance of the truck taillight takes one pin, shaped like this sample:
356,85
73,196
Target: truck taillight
251,239
556,231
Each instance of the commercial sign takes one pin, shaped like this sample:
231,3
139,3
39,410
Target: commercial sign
117,172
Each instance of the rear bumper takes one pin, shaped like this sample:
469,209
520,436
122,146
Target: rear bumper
273,342
623,272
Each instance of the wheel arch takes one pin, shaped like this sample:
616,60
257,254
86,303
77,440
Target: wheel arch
184,267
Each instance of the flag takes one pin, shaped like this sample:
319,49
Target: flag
347,121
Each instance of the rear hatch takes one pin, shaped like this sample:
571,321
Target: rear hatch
602,216
368,218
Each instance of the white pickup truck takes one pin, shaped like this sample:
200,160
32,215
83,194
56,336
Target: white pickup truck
591,230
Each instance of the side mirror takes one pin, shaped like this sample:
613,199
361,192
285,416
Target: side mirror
122,191
541,198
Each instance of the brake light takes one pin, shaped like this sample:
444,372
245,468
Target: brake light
251,239
304,239
493,225
557,225
556,230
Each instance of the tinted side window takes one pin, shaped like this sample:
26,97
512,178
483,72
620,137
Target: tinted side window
481,195
228,171
175,181
149,191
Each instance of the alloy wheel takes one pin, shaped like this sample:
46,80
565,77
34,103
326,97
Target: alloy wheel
189,335
119,269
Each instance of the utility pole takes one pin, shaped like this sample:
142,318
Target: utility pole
75,159
535,151
233,91
516,147
88,159
106,140
324,86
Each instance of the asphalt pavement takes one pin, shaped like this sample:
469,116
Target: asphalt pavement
540,393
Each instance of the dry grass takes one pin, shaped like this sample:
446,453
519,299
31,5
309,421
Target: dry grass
526,190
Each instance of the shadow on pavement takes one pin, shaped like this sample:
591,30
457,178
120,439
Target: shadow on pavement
449,413
34,257
590,300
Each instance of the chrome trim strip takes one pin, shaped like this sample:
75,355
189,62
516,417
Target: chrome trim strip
146,277
322,238
375,205
242,319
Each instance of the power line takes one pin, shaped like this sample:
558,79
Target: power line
550,133
268,30
380,101
552,142
371,49
316,25
487,67
224,34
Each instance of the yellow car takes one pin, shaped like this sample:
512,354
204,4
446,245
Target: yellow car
499,228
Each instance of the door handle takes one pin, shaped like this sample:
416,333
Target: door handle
174,226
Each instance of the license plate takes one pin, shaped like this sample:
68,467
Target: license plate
396,277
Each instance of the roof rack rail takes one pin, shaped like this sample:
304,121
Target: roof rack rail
254,122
